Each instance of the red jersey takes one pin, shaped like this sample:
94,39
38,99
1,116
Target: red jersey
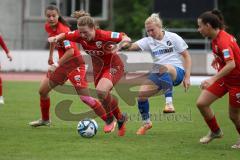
98,47
225,48
3,45
63,45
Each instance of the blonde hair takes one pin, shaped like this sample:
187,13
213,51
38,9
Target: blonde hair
84,19
154,18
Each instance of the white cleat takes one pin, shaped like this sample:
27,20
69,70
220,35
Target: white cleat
169,108
237,145
39,123
211,136
1,100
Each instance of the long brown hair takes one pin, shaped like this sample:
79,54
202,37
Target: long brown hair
60,18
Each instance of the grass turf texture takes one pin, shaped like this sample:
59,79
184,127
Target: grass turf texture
175,136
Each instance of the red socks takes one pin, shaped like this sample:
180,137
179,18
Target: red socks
111,107
212,124
115,109
45,105
95,105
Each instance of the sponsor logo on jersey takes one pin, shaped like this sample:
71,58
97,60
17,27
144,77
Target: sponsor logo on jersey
238,97
226,53
115,35
163,51
99,44
94,52
77,78
169,43
67,43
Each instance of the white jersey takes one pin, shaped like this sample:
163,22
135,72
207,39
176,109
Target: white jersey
165,51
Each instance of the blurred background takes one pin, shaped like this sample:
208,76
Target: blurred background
22,25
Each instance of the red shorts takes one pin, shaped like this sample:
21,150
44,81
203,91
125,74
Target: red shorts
74,70
114,74
219,88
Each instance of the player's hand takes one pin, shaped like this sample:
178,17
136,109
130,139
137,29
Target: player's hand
53,67
215,64
186,84
9,56
124,45
206,83
52,39
50,61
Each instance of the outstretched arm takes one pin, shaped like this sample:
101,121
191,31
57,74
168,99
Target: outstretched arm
57,38
4,46
187,67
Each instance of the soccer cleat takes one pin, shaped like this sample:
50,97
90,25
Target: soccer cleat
1,100
122,125
39,123
211,136
237,145
110,125
169,108
143,129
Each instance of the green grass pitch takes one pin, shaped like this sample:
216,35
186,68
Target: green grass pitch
173,137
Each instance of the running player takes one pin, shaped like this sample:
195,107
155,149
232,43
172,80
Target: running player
70,66
167,49
9,56
107,65
227,61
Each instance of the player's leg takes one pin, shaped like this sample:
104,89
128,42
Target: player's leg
45,87
1,96
234,111
147,89
78,79
234,114
103,88
206,98
169,75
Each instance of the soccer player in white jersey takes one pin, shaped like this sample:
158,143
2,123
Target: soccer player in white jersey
167,48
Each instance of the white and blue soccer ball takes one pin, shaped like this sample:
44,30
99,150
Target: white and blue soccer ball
87,128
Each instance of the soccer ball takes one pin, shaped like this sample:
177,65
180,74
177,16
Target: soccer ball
87,128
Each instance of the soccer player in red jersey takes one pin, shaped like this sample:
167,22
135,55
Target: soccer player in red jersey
227,61
107,65
9,56
70,66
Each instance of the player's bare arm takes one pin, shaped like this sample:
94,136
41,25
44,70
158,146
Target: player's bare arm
187,63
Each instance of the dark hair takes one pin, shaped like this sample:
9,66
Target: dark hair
214,18
60,18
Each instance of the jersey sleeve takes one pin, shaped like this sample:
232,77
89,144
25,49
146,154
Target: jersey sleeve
226,50
112,36
179,44
73,36
143,44
2,43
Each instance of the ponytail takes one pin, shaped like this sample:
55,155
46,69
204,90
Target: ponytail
214,18
84,19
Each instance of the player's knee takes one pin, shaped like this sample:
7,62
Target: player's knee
235,119
42,93
201,104
142,98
